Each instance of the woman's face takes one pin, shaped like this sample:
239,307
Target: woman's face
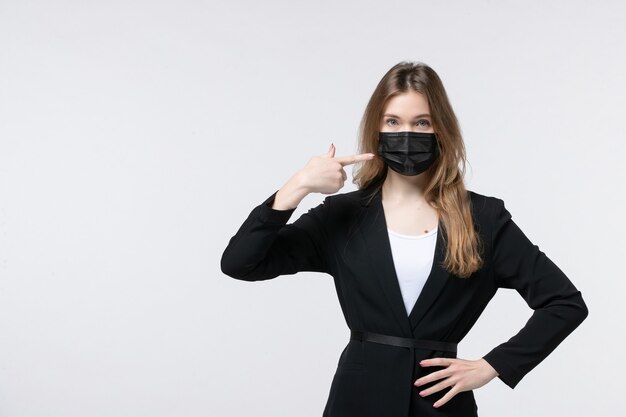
407,112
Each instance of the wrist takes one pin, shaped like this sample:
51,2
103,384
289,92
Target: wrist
290,195
298,184
491,369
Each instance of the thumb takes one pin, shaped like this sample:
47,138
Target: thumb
331,151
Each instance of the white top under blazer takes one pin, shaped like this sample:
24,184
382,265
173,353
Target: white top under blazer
413,259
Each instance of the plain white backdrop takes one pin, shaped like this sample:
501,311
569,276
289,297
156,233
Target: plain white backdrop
136,136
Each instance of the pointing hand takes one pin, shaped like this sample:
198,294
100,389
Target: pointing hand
325,174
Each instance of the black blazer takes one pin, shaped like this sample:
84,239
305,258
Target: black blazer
346,237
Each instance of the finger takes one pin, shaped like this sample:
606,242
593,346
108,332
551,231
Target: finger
433,376
348,160
437,387
331,151
436,362
447,397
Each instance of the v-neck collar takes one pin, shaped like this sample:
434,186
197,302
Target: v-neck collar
374,232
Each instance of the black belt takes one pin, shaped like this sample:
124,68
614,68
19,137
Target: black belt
403,341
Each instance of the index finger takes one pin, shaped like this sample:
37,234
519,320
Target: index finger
348,160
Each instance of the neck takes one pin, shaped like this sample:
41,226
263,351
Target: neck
399,188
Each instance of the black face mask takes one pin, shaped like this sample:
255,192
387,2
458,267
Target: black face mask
408,153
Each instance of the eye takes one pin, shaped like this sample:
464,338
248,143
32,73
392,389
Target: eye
425,121
390,120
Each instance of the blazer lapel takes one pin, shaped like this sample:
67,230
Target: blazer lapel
434,283
373,228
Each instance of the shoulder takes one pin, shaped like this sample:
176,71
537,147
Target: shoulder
487,208
355,198
481,202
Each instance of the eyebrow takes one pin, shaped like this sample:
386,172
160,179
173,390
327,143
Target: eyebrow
416,117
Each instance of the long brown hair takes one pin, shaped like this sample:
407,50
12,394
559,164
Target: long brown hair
445,190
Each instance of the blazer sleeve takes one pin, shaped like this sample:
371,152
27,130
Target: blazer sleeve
558,305
265,246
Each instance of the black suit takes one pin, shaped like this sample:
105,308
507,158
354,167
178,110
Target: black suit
346,236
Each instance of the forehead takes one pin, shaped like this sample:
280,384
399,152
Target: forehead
407,104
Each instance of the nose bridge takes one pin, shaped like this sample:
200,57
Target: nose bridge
408,126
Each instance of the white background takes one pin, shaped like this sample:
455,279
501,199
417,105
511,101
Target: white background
136,136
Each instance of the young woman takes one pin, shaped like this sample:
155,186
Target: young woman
415,258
